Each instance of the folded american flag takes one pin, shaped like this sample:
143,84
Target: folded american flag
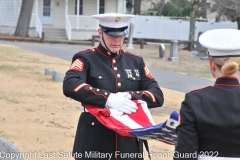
139,124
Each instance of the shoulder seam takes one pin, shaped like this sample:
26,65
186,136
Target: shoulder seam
200,89
131,54
88,51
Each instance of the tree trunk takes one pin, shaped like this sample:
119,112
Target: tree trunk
204,8
192,24
24,18
161,8
137,7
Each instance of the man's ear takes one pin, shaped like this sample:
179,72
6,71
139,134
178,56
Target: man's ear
99,31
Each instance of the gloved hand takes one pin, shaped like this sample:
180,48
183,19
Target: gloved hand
121,102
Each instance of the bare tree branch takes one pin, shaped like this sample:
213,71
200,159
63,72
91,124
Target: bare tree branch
219,2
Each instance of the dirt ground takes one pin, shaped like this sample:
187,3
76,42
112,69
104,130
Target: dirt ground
40,121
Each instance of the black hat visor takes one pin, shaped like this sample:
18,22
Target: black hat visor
116,32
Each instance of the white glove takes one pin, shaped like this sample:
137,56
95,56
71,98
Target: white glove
121,102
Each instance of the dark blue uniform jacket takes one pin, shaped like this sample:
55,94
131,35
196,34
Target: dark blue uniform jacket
92,76
210,121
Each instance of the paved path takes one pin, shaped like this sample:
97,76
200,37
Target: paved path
170,80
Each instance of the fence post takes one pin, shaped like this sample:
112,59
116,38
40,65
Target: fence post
130,36
141,43
161,50
93,40
173,51
43,37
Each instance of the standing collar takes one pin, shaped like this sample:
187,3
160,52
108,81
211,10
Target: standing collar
105,52
226,80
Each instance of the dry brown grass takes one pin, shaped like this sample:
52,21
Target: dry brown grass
36,117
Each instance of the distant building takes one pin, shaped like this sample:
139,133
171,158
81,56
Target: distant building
71,16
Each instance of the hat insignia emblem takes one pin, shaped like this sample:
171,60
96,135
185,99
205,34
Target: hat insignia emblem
117,19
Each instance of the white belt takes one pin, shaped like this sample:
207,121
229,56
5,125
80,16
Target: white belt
217,158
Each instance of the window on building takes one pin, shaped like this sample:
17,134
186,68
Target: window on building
47,8
80,7
101,6
129,6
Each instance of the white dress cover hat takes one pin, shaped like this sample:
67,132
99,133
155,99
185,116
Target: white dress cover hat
114,24
221,42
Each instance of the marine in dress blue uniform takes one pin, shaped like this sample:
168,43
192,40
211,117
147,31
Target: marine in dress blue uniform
210,117
96,74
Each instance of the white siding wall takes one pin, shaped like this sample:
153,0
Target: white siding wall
120,6
9,12
89,7
71,7
59,14
110,6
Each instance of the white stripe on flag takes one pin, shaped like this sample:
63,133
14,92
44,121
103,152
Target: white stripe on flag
127,121
146,110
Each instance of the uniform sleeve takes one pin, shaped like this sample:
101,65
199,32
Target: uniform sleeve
149,90
187,136
75,86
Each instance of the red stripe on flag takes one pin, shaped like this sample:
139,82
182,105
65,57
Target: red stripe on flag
122,126
141,117
108,122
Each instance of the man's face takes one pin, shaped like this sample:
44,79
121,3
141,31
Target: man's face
114,44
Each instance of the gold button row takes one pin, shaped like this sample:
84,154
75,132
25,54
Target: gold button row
118,75
105,93
136,92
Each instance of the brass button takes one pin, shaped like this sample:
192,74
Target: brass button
114,61
118,75
109,53
105,93
134,78
98,90
90,87
115,68
137,91
93,50
100,77
119,84
93,123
